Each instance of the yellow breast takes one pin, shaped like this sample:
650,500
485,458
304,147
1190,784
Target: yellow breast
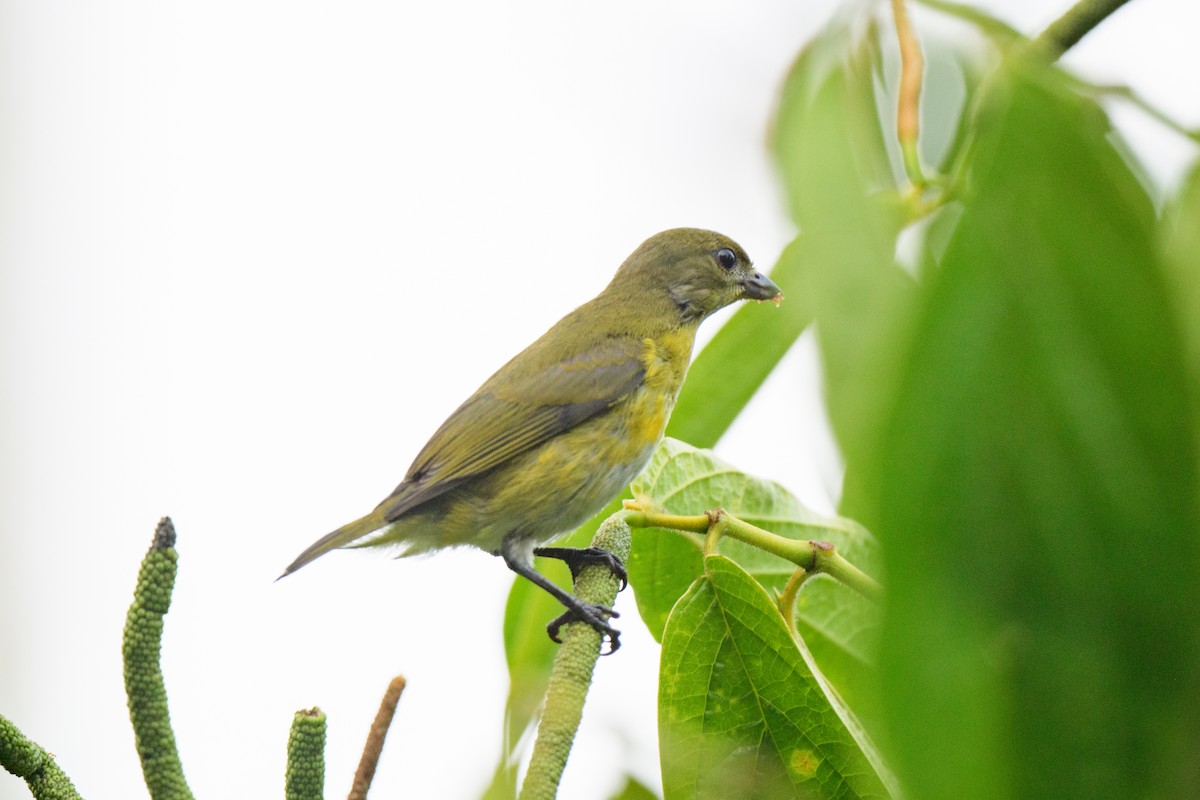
665,360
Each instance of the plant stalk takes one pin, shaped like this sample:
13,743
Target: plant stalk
1066,31
813,555
573,666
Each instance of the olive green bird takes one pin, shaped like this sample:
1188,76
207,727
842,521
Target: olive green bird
564,426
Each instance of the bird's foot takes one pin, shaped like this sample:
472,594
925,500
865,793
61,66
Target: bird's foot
594,615
576,558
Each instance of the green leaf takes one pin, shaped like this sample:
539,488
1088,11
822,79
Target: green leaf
634,790
842,192
1034,483
735,362
838,624
1181,243
742,712
1000,33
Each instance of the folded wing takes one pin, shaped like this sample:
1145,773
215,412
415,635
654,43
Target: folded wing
527,403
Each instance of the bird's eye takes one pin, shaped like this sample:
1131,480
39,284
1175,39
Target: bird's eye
726,258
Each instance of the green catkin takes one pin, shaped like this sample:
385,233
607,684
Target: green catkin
144,686
27,760
306,756
573,666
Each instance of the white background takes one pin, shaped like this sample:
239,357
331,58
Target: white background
254,252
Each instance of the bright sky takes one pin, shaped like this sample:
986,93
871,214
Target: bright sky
254,252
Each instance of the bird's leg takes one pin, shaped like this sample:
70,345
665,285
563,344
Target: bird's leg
516,556
576,558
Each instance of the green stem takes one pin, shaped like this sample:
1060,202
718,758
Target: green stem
798,551
144,687
832,563
697,523
813,555
787,598
1066,31
26,759
306,756
713,537
573,667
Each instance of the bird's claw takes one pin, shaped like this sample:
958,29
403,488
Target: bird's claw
595,616
576,558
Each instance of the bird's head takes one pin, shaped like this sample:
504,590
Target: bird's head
698,271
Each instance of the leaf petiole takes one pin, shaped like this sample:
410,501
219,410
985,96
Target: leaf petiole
814,556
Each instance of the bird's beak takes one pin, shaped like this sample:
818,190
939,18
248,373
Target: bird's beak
759,287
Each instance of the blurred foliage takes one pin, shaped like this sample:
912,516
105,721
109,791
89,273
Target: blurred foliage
1011,354
1034,479
1180,238
633,790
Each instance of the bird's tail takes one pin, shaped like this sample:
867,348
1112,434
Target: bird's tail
342,537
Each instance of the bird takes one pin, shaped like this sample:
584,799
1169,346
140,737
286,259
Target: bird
562,428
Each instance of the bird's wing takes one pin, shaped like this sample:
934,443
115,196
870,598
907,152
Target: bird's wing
525,404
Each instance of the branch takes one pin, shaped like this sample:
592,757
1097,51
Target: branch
1066,31
374,746
908,103
573,666
144,688
813,555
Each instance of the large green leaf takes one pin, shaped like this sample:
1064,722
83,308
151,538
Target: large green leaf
1181,241
742,709
838,624
1034,483
842,192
